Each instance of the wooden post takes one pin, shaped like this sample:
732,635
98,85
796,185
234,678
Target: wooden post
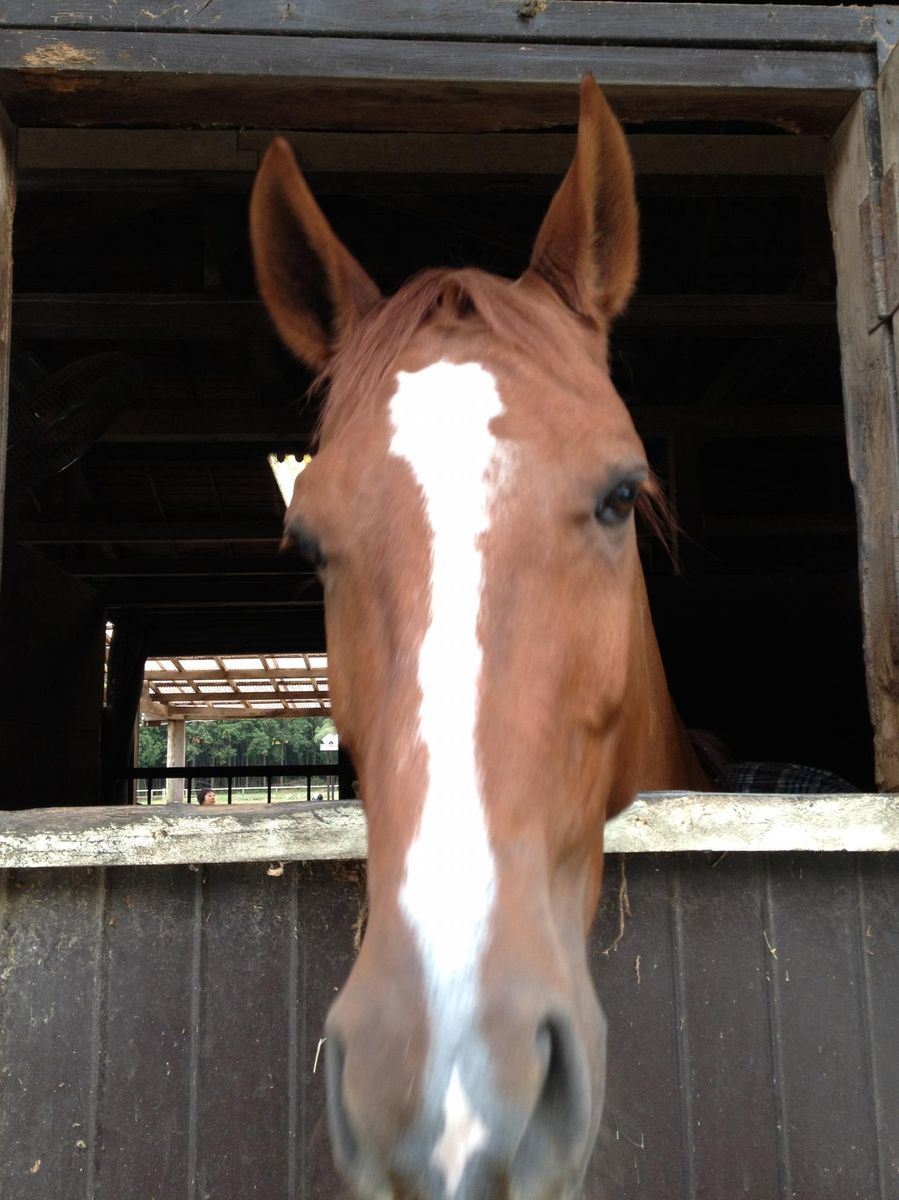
888,96
174,757
7,207
124,681
870,400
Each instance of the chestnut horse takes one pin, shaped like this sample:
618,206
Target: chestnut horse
493,668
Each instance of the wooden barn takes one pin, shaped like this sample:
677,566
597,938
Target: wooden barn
164,973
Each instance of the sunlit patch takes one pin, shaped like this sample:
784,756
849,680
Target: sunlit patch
287,471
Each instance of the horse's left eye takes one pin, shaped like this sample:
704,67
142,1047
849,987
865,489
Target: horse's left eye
617,505
308,546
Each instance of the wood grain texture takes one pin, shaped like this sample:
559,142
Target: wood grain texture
221,80
336,830
870,404
7,209
750,1002
52,1000
469,20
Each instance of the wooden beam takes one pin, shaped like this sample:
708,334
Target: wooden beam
179,150
7,208
114,317
311,706
870,399
248,428
275,674
134,594
139,317
315,830
145,532
579,21
232,80
124,683
191,566
780,525
253,430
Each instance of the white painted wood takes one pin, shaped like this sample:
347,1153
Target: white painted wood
661,821
668,821
176,740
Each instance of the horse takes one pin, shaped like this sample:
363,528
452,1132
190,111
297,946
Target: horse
493,670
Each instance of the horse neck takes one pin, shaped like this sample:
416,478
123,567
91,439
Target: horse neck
658,755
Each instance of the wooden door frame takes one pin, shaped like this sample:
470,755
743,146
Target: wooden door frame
862,249
67,68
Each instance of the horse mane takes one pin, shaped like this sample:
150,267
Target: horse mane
450,297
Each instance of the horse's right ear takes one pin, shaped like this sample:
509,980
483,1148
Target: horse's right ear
313,288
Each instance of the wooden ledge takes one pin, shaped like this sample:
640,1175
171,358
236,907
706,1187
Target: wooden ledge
655,822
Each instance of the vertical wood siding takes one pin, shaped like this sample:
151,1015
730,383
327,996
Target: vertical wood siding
159,1029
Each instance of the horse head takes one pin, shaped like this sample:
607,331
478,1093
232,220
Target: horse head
493,671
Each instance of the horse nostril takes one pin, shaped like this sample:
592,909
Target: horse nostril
561,1121
343,1140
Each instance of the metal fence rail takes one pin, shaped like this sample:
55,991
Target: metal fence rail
191,776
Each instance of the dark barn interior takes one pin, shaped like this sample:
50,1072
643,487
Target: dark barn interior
436,137
168,523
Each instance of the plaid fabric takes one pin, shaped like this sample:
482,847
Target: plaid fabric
780,777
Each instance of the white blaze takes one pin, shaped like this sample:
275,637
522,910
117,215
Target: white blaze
464,1133
441,427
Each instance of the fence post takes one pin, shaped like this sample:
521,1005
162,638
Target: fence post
175,757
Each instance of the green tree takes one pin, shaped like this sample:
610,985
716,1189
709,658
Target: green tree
258,741
151,746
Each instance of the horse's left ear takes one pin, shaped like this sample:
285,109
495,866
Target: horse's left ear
313,288
587,245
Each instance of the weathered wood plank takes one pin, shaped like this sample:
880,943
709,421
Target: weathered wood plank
814,948
249,939
148,973
51,1047
631,956
870,401
223,80
7,208
878,937
834,933
720,924
323,830
562,21
177,150
331,912
888,99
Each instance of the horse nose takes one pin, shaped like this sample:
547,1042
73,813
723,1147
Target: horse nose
517,1116
559,1133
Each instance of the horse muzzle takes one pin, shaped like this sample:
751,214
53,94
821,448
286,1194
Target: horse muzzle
505,1108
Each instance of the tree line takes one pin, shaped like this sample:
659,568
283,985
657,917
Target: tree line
262,741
